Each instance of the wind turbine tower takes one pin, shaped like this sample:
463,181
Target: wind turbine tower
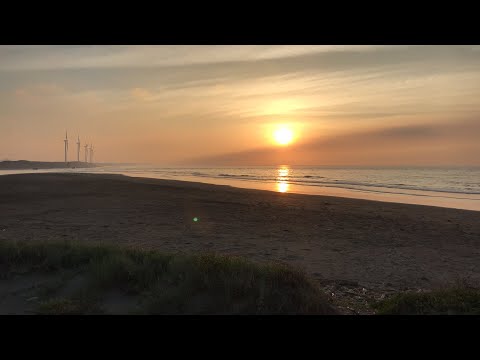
66,146
78,149
86,152
91,153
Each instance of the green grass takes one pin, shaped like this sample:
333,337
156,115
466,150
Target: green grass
453,301
167,283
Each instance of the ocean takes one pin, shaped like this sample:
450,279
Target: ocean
436,186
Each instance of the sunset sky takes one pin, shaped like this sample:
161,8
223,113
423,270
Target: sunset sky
221,105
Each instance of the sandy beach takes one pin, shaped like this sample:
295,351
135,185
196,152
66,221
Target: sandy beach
351,246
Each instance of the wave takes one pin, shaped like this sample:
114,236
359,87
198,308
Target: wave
313,180
336,183
244,176
232,175
405,193
360,185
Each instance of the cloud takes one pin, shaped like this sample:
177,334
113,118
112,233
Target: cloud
70,57
413,144
231,94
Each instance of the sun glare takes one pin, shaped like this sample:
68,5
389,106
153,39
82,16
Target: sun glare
283,136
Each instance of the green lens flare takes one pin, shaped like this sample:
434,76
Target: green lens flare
195,219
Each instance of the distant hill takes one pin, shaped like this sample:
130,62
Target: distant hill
33,165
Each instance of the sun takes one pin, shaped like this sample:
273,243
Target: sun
283,136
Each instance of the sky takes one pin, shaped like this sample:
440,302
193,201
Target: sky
219,105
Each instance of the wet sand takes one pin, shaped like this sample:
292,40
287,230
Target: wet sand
361,244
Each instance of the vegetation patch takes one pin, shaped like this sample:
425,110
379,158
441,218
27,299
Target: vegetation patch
453,301
161,283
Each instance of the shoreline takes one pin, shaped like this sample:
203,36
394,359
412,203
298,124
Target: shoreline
334,193
12,165
414,197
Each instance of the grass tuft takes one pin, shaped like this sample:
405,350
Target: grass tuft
453,301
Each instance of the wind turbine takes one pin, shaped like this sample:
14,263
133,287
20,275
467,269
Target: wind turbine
86,153
91,152
66,145
78,149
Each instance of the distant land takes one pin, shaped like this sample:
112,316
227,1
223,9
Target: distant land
33,165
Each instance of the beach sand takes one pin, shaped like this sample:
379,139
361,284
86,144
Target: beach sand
356,249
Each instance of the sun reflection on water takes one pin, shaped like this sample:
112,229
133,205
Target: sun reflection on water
282,179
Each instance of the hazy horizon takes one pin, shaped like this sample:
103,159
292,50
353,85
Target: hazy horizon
221,105
273,166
